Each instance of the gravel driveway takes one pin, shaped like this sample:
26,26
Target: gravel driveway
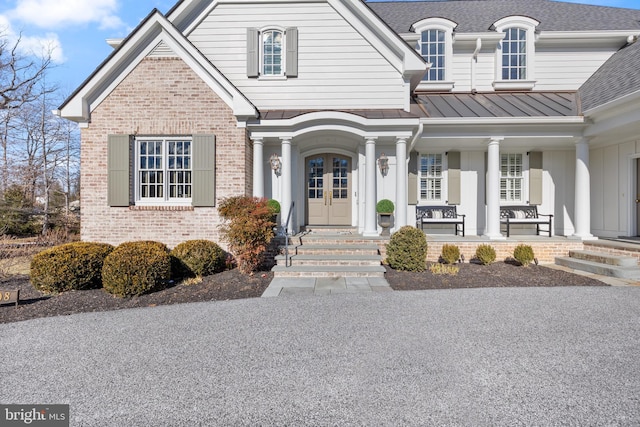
504,356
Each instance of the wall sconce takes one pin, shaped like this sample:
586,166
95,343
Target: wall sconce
275,163
383,164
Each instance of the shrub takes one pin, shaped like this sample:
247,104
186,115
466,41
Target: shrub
450,253
524,254
485,254
72,266
385,206
450,270
198,258
274,206
407,249
135,268
248,229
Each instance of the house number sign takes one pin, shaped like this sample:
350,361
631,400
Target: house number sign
9,297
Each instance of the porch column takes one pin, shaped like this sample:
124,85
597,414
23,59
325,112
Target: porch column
286,183
582,208
370,227
401,183
493,190
258,167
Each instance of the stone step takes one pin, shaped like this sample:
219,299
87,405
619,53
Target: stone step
346,249
600,268
335,239
326,260
328,271
604,258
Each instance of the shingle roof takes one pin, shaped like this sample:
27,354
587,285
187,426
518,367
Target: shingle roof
496,104
479,15
617,77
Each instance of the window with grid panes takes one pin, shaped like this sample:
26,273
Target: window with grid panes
511,178
431,177
514,54
432,49
163,170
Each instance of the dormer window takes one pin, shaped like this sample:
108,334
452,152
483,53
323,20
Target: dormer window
435,45
516,53
272,52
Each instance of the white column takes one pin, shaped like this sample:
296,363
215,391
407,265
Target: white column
582,208
370,226
401,183
493,190
258,168
286,183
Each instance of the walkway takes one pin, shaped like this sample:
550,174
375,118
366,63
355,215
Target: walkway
283,286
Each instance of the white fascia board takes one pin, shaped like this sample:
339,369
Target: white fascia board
338,116
461,121
491,36
612,36
613,114
612,107
155,30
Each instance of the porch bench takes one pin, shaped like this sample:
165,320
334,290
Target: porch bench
440,215
527,214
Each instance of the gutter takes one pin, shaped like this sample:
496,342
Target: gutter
474,61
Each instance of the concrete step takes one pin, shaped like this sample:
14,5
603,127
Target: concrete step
327,260
604,258
335,239
322,249
600,268
328,271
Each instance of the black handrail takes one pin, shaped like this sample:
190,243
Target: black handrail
286,237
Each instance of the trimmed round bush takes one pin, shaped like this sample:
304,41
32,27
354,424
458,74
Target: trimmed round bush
524,254
485,254
274,206
72,266
407,250
198,258
450,253
136,268
385,206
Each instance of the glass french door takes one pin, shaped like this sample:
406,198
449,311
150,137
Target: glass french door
328,190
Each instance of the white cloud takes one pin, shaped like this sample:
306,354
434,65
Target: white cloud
56,14
40,46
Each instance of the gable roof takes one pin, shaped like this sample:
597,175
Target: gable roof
479,15
616,78
155,29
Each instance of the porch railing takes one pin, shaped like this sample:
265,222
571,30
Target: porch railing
287,259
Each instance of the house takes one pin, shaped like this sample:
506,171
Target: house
469,103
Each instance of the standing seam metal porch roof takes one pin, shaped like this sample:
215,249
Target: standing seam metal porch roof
491,104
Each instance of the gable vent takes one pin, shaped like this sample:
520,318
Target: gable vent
162,51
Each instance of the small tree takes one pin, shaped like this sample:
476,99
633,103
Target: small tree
248,229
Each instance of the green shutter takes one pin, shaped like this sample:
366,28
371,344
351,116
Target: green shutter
453,182
204,171
412,186
253,52
291,60
118,166
535,178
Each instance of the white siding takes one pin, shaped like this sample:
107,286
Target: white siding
338,68
567,70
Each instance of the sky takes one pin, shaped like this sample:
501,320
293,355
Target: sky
75,31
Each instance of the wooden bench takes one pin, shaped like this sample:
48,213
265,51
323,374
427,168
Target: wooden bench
510,215
440,215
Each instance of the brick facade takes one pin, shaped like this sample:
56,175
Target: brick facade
161,96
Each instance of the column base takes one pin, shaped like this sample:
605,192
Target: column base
494,236
370,234
582,237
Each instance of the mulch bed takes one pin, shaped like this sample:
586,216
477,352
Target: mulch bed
232,284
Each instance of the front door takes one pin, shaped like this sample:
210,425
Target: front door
328,189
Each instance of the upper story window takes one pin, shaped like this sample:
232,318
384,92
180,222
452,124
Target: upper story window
515,58
272,48
435,45
514,54
432,49
272,52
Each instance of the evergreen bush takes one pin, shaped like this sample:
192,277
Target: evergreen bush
407,250
136,268
72,266
524,254
450,253
198,258
485,254
385,206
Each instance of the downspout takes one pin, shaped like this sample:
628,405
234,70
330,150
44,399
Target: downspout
415,138
474,61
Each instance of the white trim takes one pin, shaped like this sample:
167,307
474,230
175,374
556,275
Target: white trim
528,25
283,51
503,120
447,27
